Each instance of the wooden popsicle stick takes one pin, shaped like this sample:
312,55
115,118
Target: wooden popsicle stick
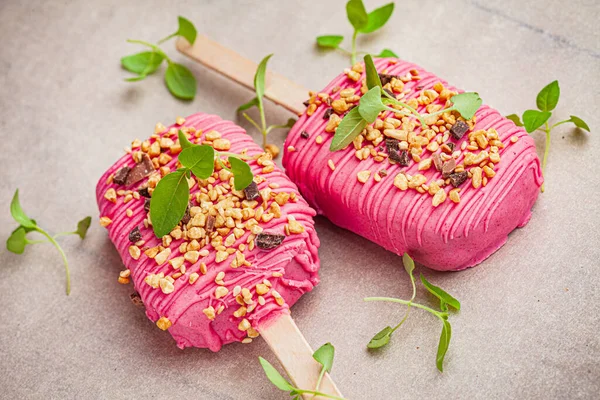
295,354
227,62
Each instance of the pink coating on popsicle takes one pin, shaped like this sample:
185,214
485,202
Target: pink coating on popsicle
447,237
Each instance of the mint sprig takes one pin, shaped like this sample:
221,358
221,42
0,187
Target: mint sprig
324,356
537,120
382,338
179,79
372,103
170,198
259,88
362,22
18,240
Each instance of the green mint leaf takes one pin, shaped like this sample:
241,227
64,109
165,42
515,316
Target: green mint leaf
441,294
187,30
324,356
371,72
533,119
409,264
466,104
198,159
242,174
515,118
292,121
378,18
547,98
330,41
350,127
169,202
387,53
443,345
143,64
371,105
579,123
83,226
18,214
250,104
184,141
357,15
259,78
381,338
180,81
17,241
274,376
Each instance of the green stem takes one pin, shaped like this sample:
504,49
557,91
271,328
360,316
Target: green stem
559,123
445,110
161,41
347,52
546,151
406,302
353,55
65,234
218,157
228,154
409,108
62,254
36,241
263,122
317,393
321,375
152,46
414,294
251,121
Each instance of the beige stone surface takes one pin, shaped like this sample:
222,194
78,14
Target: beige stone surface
531,313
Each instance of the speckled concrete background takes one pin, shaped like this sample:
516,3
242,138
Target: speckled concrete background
531,313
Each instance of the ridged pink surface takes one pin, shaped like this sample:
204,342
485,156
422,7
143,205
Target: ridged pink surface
296,258
449,237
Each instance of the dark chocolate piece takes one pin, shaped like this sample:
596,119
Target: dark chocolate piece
210,223
386,78
121,175
388,91
136,299
459,129
268,241
304,134
147,205
383,172
135,235
394,152
306,103
186,217
457,178
140,170
404,159
143,191
251,191
419,87
328,113
437,161
448,168
392,144
451,146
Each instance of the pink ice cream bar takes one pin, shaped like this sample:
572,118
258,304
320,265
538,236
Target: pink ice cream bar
235,261
448,195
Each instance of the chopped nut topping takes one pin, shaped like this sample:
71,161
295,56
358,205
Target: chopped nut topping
163,323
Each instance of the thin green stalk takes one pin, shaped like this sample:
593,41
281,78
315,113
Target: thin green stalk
414,294
251,121
65,234
317,393
321,375
263,122
152,46
409,108
406,302
62,254
354,47
36,241
161,41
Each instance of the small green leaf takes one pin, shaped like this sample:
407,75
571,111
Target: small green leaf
180,81
350,127
18,214
242,174
443,345
547,98
515,118
387,53
357,15
440,294
324,356
330,41
184,141
83,226
199,159
409,264
187,30
579,123
292,121
381,338
533,119
259,79
378,18
250,104
371,72
169,202
144,63
371,105
274,376
17,241
466,104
